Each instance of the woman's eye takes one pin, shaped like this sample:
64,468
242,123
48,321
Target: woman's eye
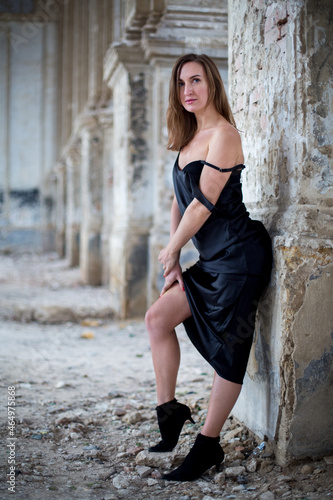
196,80
180,84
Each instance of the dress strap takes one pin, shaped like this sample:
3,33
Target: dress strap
232,169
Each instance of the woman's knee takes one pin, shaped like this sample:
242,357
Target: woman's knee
150,319
154,320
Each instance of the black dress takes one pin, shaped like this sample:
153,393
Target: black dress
223,288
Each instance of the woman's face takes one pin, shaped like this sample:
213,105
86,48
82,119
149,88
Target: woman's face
193,87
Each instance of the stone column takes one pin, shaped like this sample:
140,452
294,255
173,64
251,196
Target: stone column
129,78
106,121
162,178
60,222
77,63
91,201
95,77
84,54
281,89
66,61
73,212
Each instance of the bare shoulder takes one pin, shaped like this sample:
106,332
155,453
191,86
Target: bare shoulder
226,134
225,146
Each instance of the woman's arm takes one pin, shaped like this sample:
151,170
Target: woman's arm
193,219
175,217
174,274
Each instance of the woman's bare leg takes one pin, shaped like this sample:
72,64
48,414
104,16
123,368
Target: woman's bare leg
223,397
161,319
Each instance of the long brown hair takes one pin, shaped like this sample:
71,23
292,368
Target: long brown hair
181,123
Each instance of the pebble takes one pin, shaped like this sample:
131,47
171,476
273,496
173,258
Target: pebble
204,487
240,487
307,469
219,478
158,460
308,488
233,433
120,482
251,465
133,417
67,417
266,466
90,322
25,385
268,495
36,436
151,481
284,478
88,335
156,474
235,455
37,478
120,412
134,450
115,394
106,475
234,471
143,471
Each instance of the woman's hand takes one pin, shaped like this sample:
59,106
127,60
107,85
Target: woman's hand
169,259
174,275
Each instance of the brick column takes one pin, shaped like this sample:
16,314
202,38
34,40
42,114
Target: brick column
281,89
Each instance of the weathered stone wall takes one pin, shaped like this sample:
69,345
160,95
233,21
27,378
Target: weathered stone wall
85,121
281,88
28,113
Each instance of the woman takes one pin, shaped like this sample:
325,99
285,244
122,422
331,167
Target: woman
217,298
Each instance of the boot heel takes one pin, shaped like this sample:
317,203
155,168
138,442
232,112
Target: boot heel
204,454
191,420
218,466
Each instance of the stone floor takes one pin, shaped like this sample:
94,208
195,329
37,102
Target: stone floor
84,399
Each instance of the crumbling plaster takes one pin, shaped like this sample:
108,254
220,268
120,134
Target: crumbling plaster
307,351
281,78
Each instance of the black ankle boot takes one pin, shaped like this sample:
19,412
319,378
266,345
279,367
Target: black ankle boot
205,453
171,417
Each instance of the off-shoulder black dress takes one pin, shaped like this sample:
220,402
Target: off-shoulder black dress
223,288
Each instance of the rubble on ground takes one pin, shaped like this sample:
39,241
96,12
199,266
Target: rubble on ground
85,418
